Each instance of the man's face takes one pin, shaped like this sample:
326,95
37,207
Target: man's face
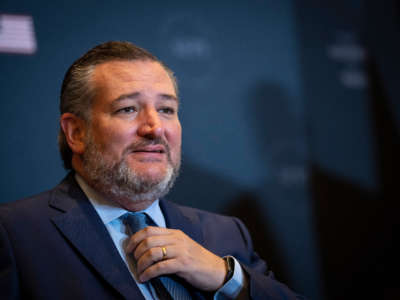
134,132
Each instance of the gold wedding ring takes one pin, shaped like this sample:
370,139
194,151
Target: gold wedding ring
164,252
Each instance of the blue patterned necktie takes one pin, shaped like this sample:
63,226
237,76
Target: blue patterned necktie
166,287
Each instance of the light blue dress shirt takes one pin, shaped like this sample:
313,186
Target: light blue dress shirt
110,213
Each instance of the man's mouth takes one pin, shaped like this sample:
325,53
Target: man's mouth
150,149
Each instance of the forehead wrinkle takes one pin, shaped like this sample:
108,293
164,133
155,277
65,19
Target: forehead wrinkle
112,73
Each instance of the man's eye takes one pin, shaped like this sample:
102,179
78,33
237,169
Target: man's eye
167,110
129,109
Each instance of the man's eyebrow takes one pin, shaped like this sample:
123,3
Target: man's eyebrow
133,95
136,95
169,97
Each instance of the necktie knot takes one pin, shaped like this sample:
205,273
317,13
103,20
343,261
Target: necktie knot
136,221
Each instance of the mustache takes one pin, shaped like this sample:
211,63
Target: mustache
143,143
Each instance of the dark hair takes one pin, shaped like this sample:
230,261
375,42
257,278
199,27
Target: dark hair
77,91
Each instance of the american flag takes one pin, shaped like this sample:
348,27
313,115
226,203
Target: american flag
17,34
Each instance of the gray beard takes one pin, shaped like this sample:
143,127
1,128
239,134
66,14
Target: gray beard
118,181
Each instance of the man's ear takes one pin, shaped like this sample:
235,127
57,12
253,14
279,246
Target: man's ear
75,131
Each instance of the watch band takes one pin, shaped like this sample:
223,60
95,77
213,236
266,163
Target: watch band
230,267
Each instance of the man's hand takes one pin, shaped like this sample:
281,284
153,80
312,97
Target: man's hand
184,257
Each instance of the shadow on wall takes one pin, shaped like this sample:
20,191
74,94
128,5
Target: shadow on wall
356,227
278,125
281,201
274,211
281,147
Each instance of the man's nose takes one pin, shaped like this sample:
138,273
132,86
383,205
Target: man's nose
150,124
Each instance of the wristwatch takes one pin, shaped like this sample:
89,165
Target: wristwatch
230,267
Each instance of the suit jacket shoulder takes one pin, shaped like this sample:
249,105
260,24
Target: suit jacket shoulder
55,246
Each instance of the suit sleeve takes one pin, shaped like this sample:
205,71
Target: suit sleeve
8,271
262,284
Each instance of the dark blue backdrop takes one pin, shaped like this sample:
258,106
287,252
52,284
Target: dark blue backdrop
275,97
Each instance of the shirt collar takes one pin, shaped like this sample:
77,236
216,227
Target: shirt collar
109,210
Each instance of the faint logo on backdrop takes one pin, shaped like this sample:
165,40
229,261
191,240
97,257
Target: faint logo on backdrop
191,46
288,161
346,50
17,34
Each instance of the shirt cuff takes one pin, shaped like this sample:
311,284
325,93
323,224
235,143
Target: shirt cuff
232,288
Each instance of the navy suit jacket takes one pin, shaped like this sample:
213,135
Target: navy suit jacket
55,246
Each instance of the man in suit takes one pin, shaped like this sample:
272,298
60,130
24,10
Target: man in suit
105,232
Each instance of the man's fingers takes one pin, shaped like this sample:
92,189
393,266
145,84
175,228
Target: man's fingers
163,267
139,236
152,242
156,255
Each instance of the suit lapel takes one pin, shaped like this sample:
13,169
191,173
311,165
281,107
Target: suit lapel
185,219
178,217
83,228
